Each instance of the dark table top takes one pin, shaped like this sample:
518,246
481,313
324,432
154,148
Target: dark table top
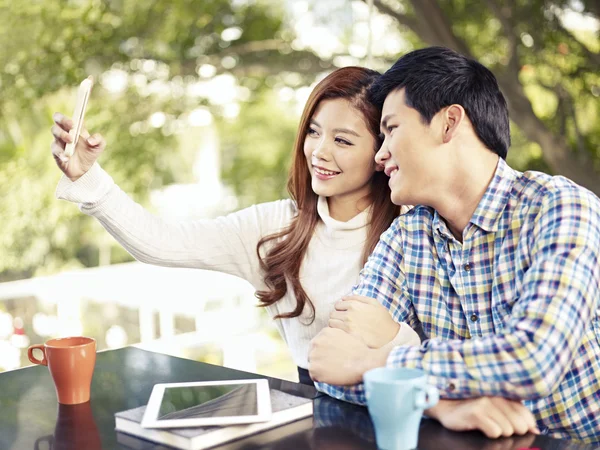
30,417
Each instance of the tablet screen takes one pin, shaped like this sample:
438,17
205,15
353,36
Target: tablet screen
190,402
200,403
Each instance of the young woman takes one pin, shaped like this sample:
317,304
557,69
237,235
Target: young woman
302,254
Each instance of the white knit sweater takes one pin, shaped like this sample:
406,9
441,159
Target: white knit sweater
228,244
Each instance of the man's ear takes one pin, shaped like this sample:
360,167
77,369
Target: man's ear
452,119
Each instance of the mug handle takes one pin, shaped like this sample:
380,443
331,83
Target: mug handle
49,439
33,359
426,397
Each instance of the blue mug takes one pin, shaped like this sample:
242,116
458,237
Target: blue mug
396,399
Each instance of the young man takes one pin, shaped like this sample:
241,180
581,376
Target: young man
498,268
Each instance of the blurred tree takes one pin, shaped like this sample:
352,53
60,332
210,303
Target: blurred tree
255,158
548,70
60,43
159,64
154,63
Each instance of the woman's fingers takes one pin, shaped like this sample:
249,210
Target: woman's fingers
62,137
62,144
60,134
62,121
339,324
95,140
84,134
66,124
58,151
339,315
341,305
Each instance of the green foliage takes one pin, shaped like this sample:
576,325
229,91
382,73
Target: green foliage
530,47
156,45
157,49
256,150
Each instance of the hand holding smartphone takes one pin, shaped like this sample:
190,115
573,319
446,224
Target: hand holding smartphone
83,95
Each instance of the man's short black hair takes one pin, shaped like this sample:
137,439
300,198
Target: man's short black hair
436,77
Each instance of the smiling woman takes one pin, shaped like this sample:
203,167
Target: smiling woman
301,255
333,176
340,159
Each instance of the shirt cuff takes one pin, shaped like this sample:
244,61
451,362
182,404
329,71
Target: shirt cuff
450,387
412,358
89,189
406,336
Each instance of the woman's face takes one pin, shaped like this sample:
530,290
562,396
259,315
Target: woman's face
340,153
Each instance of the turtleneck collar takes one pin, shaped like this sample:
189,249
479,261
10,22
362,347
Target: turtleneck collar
358,221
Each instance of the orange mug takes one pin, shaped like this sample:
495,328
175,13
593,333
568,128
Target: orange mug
71,363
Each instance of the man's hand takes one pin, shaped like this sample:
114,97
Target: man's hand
336,357
364,318
493,416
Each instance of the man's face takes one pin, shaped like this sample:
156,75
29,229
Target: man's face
413,162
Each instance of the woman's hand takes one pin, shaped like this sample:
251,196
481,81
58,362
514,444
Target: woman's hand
339,358
364,318
86,152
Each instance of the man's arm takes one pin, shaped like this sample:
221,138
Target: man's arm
556,303
554,307
381,279
494,416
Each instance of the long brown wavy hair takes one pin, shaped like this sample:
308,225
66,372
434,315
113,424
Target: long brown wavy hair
283,261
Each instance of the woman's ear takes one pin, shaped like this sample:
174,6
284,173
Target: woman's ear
453,117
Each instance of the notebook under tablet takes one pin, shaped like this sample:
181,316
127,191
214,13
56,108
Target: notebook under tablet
174,405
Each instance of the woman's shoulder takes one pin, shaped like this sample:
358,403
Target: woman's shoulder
283,206
269,217
275,211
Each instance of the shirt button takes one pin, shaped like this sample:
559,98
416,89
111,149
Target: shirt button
467,267
474,318
451,387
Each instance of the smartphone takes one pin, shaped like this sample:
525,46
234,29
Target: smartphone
83,94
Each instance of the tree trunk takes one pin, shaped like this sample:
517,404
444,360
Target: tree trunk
577,166
434,28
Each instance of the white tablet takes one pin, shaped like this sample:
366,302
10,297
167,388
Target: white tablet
230,402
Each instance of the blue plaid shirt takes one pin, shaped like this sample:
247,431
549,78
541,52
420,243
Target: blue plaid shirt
513,311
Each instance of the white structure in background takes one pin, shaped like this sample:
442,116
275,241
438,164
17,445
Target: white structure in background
149,290
232,315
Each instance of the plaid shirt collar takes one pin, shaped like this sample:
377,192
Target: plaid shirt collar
492,204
